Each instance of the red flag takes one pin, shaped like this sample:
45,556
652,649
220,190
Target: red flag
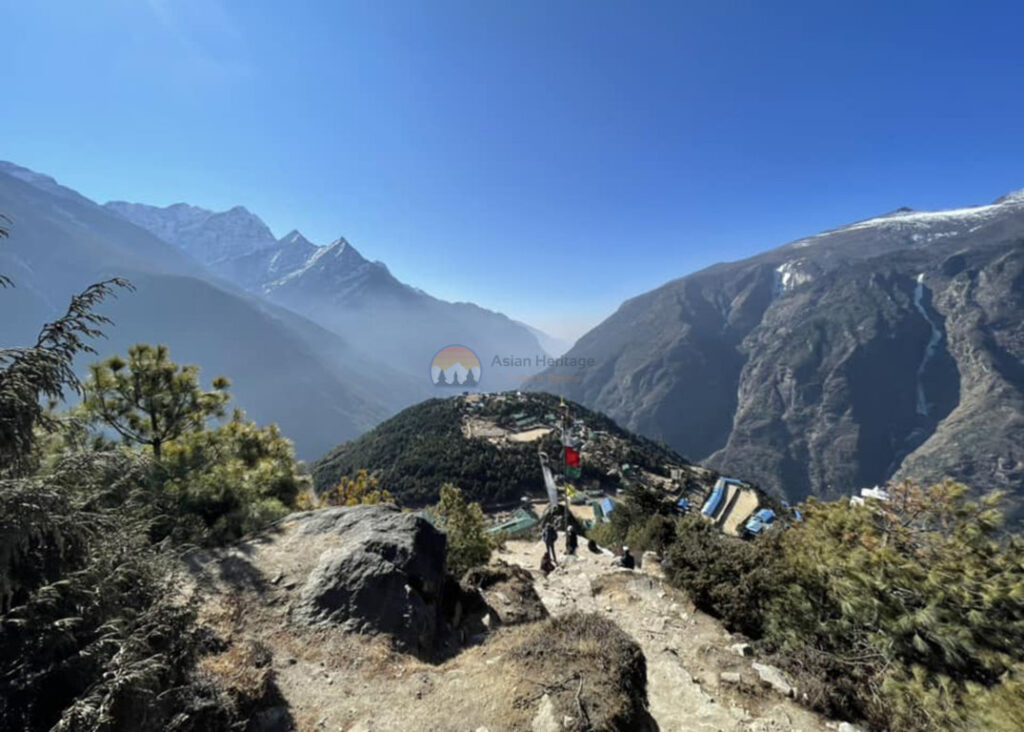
572,457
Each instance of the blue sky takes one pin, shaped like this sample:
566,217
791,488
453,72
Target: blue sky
547,159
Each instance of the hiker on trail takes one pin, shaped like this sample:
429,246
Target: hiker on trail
550,536
546,566
626,560
571,540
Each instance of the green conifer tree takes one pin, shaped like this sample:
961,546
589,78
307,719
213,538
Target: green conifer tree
149,399
466,529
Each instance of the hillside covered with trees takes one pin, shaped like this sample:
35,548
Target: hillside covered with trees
418,450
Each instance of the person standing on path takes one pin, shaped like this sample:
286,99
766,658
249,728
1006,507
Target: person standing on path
550,536
626,560
571,540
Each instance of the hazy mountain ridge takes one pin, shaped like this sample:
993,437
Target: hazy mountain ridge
892,346
805,367
553,345
252,270
343,291
367,338
284,368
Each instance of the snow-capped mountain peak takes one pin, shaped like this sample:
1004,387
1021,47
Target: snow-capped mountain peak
341,249
339,256
209,236
295,238
1013,197
908,226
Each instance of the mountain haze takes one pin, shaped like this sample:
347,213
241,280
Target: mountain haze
887,348
338,288
284,368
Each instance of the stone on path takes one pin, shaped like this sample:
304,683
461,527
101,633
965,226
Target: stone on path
774,678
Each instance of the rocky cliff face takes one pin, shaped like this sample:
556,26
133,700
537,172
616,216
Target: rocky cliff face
892,347
255,269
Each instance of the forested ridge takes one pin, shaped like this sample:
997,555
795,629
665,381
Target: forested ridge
423,447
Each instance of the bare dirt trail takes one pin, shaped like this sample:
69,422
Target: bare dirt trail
686,650
323,678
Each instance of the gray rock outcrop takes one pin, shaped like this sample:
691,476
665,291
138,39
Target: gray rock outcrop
383,573
774,678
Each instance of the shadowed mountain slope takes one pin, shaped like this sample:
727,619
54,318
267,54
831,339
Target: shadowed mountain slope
888,348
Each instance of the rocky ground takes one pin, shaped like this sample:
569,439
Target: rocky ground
696,679
302,646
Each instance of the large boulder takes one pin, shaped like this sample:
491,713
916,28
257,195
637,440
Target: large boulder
383,573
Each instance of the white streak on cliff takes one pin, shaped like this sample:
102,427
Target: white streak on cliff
929,349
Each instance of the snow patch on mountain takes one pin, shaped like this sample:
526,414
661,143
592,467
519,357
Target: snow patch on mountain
338,269
971,215
927,226
164,223
209,236
923,227
1012,197
340,261
296,239
789,276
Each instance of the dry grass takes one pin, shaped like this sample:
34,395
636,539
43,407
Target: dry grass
243,672
508,590
592,671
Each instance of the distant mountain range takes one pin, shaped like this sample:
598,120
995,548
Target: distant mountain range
317,339
207,236
889,348
336,287
892,347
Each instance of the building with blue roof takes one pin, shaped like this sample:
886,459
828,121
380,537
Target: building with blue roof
760,521
715,500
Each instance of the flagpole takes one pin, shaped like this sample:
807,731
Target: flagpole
565,413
